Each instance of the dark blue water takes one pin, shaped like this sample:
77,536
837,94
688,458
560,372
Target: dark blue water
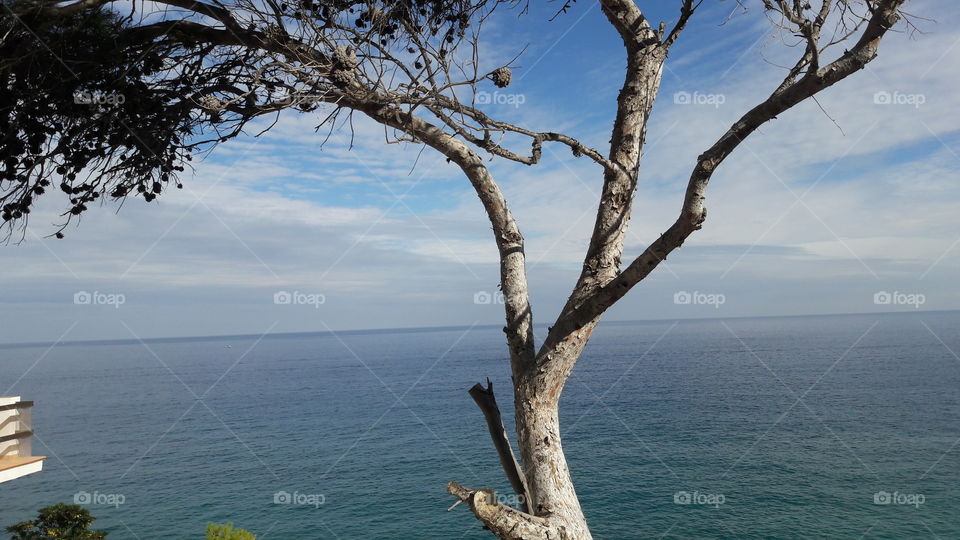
788,427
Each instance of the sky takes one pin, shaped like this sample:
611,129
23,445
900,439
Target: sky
844,205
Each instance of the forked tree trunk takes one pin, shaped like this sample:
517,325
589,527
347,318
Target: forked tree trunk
539,380
553,508
537,389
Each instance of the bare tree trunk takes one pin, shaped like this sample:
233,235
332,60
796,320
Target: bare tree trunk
537,403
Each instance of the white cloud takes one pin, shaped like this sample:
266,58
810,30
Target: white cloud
280,212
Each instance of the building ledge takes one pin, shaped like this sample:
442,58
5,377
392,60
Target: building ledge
11,462
16,432
12,467
17,435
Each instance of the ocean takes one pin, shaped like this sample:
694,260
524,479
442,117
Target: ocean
841,426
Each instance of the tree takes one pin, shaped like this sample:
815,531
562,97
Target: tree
217,531
58,522
194,76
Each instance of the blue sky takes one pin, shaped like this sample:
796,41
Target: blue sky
806,217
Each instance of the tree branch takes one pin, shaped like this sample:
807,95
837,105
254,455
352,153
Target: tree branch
485,399
506,522
513,279
601,263
693,213
629,22
686,11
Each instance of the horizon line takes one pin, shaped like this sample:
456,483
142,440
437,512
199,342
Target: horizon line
416,329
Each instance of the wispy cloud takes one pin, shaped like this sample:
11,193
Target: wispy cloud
804,218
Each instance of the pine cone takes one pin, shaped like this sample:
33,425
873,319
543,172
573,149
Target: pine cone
212,103
501,77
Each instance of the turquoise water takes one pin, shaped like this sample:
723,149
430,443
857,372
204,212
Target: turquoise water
787,427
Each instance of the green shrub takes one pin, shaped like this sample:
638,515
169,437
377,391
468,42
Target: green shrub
227,532
57,522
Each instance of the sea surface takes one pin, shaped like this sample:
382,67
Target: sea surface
789,427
